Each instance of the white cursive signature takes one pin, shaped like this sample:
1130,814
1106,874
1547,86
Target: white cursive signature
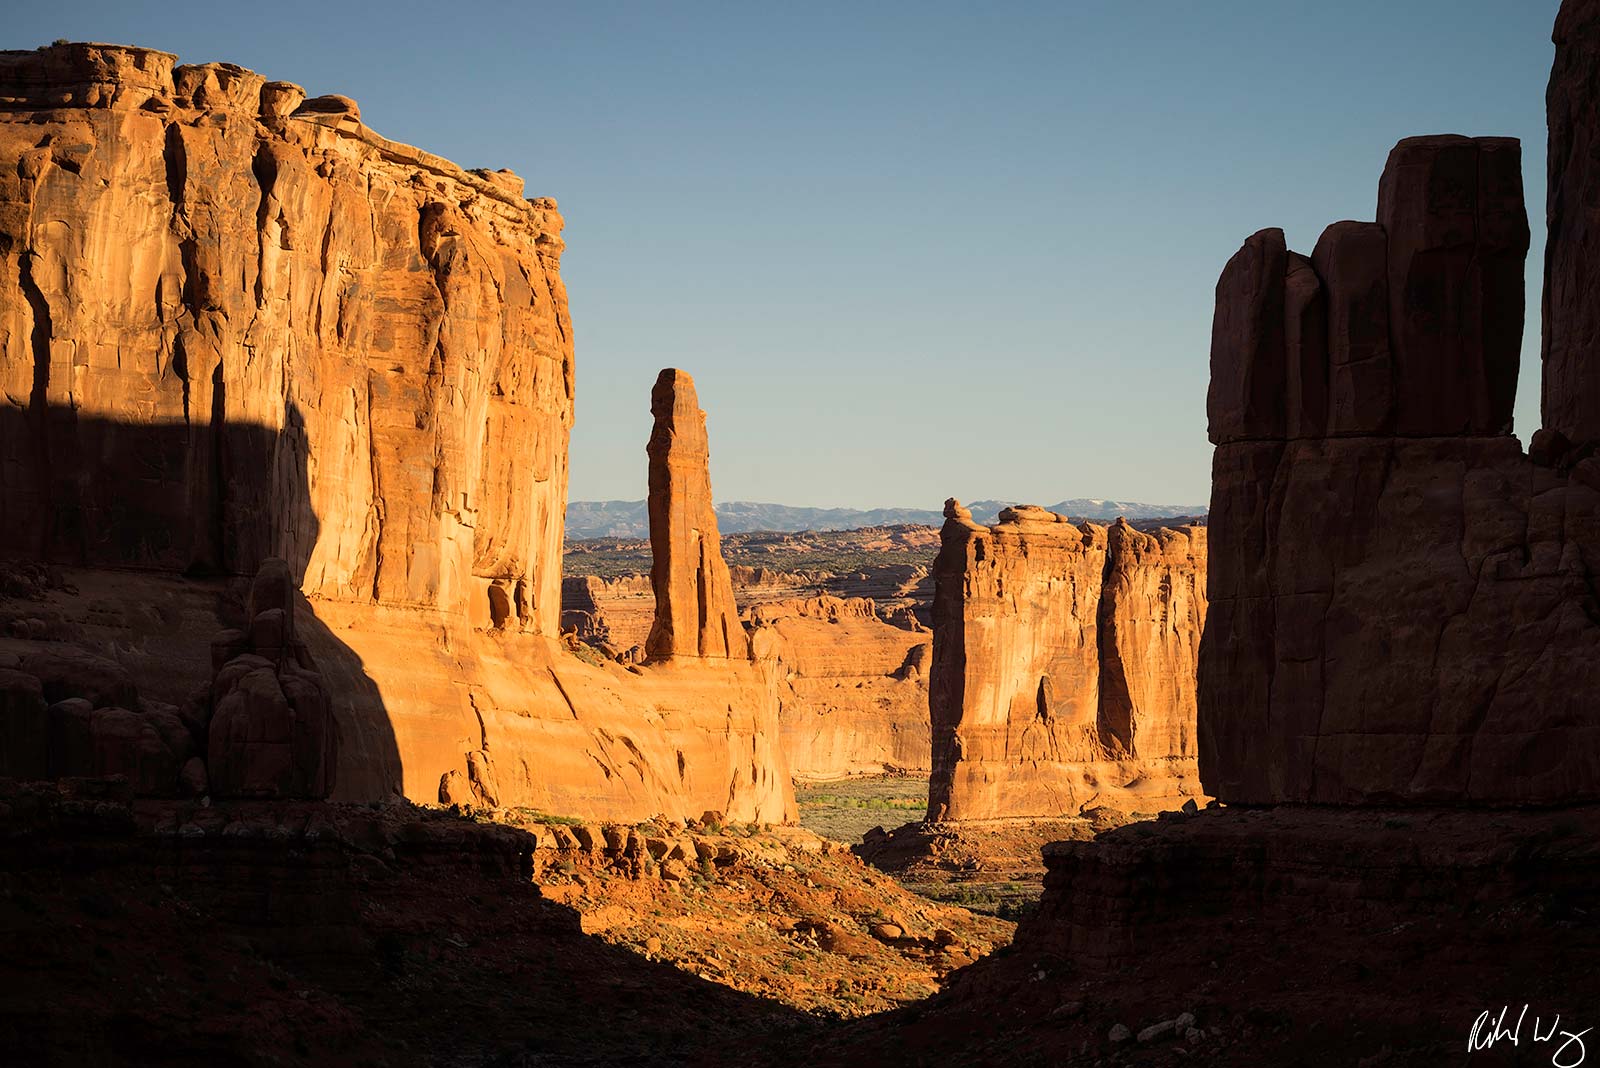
1490,1028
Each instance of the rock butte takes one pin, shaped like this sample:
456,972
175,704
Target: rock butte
1063,665
1403,602
237,324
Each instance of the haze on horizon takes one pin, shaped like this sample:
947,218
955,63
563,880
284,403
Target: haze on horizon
913,251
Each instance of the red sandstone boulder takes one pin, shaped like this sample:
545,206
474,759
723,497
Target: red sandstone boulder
74,737
126,743
271,732
64,671
24,727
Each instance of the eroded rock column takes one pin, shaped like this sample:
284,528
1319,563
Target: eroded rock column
1402,605
695,610
1063,663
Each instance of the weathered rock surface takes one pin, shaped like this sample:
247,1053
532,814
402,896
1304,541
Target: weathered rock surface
236,323
612,614
1571,386
292,336
269,726
67,713
854,692
695,610
1063,665
1402,603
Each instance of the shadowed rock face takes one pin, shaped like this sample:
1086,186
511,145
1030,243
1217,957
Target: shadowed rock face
1402,602
1571,395
269,722
1063,665
695,610
236,323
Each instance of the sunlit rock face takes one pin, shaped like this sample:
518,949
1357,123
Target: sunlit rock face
1063,665
194,246
853,688
695,611
851,678
236,323
1402,601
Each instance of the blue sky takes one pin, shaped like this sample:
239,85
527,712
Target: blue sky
907,250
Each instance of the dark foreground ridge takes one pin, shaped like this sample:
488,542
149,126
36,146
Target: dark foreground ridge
310,933
321,933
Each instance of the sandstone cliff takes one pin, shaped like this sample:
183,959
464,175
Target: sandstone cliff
236,323
1063,665
615,615
1403,605
362,351
853,697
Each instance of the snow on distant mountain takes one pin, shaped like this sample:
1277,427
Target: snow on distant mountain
630,519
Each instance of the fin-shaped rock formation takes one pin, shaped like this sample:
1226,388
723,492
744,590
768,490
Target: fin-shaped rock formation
1063,665
235,323
1403,602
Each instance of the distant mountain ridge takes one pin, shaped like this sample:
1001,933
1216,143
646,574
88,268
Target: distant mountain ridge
630,519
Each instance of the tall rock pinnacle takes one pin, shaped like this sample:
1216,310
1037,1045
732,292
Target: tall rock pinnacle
695,610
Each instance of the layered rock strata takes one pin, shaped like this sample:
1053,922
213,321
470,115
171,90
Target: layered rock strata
291,336
614,615
1403,606
853,697
1063,665
235,323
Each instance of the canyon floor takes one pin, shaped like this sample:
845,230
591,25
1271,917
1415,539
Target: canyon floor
846,809
824,553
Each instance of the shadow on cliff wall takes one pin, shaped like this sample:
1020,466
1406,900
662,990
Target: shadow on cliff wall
197,507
